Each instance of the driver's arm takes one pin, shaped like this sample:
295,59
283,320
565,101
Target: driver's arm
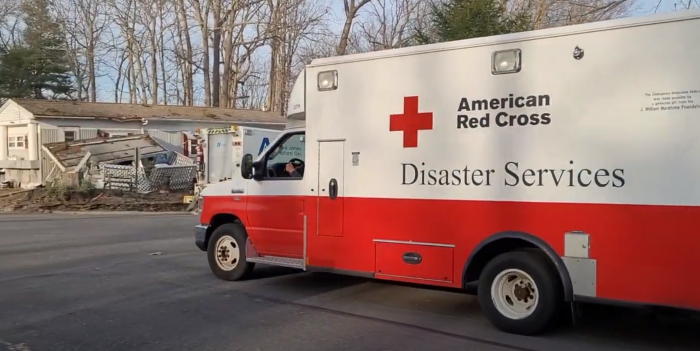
292,171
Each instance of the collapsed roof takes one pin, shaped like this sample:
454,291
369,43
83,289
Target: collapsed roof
103,150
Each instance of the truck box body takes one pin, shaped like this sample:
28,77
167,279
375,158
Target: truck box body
224,147
626,113
590,150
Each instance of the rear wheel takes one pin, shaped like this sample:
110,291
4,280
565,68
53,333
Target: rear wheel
520,292
226,253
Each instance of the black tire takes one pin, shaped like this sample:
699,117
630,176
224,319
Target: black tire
549,290
243,268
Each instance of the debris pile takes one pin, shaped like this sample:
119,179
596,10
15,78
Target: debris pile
78,199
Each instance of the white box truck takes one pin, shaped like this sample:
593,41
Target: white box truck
223,149
551,166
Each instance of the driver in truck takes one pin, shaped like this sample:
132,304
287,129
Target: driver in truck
292,170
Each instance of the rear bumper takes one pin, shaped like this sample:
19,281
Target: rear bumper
200,236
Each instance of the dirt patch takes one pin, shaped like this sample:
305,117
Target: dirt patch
81,199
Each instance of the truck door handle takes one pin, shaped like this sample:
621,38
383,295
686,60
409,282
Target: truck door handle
412,258
333,189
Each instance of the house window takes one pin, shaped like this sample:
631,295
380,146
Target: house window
69,135
16,142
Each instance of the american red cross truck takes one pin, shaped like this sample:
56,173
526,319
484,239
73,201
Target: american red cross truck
549,167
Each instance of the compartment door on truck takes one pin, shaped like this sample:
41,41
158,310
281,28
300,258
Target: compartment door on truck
331,182
219,157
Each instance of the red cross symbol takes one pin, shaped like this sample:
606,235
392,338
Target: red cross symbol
411,121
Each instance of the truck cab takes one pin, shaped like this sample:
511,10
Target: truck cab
262,216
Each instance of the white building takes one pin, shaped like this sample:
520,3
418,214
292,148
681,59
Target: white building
25,125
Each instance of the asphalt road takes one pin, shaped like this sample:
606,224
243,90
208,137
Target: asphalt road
137,282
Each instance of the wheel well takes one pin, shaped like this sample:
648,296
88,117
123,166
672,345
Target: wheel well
218,220
490,250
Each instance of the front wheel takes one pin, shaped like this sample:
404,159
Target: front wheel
520,293
226,253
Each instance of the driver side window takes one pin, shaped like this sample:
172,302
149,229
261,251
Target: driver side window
286,160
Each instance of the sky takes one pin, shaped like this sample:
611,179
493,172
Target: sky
646,7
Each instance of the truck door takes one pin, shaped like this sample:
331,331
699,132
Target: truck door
275,206
331,183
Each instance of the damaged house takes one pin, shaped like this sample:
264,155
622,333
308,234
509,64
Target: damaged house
26,125
110,163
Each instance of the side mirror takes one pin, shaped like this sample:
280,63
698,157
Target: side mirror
247,166
258,171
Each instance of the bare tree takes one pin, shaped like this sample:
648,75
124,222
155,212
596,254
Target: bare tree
253,93
684,4
323,45
151,24
388,24
84,22
154,74
555,13
352,8
291,23
220,15
128,39
9,23
202,11
243,34
166,21
184,53
8,8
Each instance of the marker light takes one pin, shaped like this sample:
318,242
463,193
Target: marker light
506,61
328,80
